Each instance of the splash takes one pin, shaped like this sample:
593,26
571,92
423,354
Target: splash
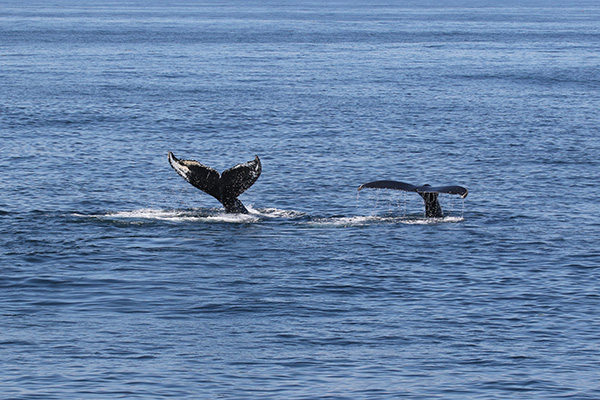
204,215
146,213
430,221
377,220
397,202
348,221
275,213
190,215
194,215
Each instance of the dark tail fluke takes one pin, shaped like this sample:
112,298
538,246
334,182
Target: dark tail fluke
225,187
427,192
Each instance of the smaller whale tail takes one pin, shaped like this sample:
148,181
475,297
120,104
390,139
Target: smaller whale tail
225,187
427,192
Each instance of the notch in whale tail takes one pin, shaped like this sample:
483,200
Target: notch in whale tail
225,187
427,192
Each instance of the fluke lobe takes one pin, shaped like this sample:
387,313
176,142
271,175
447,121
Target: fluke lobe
225,187
433,209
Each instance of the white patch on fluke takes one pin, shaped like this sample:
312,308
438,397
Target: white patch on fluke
180,167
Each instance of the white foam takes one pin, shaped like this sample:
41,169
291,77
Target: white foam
152,214
194,215
371,219
255,215
430,221
349,221
275,213
147,214
231,218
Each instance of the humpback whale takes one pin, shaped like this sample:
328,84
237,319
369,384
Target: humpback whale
225,187
433,209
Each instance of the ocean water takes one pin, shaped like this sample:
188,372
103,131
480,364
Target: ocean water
118,279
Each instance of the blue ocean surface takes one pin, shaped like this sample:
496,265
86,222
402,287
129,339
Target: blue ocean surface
119,280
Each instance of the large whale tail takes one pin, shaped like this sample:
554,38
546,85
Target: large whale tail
225,187
427,192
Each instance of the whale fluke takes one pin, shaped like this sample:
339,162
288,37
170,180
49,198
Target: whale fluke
427,192
225,187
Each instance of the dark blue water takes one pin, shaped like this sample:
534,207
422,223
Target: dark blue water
120,280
